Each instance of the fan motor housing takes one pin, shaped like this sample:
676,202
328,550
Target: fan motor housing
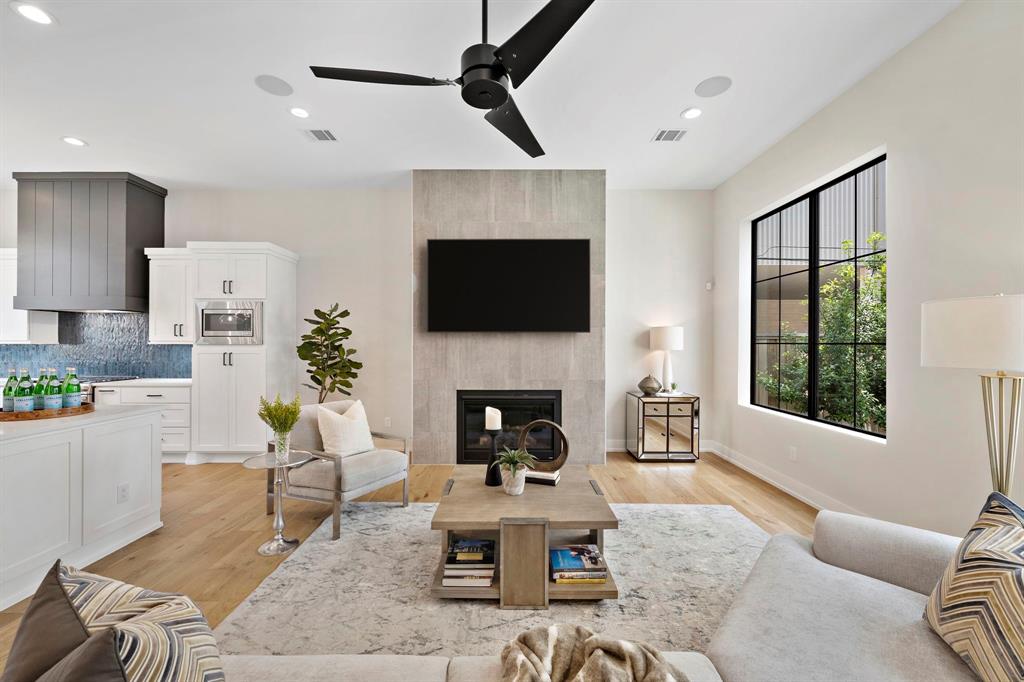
484,80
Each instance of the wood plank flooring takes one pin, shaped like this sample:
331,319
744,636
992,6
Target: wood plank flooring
214,519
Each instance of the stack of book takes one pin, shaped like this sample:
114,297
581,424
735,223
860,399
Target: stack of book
542,477
470,563
578,564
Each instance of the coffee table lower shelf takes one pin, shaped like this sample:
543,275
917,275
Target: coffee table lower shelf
580,591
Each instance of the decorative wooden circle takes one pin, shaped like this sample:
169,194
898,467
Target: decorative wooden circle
46,414
558,462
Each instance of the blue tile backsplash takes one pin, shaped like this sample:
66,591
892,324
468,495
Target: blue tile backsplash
101,344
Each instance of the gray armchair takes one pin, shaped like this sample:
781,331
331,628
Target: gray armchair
334,479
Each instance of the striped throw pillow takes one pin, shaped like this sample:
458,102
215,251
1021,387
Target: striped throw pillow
978,605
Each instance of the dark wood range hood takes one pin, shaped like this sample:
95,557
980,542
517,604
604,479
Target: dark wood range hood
81,238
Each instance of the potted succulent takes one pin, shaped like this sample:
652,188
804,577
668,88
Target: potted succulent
513,465
281,417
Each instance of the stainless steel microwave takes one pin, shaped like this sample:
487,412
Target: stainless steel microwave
229,322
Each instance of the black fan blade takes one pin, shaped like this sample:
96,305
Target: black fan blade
384,77
511,123
521,53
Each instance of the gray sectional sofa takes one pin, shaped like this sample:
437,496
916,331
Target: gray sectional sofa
847,606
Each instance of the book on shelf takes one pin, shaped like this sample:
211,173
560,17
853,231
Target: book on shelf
466,581
581,581
577,559
582,575
469,572
543,477
470,553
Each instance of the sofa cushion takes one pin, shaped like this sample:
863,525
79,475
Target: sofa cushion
49,631
335,668
798,618
978,605
696,667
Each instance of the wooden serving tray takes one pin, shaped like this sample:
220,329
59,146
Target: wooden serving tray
46,414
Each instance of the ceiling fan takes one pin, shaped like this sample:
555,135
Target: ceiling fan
487,70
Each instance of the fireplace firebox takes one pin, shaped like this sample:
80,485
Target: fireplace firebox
518,408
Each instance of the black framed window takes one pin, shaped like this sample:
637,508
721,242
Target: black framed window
818,303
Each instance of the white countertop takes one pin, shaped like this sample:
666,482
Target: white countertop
102,413
149,382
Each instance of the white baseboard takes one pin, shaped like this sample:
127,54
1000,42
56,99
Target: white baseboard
783,482
615,445
205,457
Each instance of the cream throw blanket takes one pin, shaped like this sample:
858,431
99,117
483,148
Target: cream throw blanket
567,653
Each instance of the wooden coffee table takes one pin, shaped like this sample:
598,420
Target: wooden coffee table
524,527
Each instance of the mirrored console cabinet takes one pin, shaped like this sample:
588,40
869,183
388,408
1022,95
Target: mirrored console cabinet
663,428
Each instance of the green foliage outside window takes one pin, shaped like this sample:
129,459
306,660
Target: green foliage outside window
851,390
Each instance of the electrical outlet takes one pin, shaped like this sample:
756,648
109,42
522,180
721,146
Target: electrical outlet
387,422
123,492
792,453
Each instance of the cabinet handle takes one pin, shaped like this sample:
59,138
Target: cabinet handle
223,286
231,359
154,395
106,390
224,359
231,286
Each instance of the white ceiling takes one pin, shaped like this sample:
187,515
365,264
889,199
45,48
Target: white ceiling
165,89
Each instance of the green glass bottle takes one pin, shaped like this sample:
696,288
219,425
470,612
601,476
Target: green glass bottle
53,399
72,389
39,390
9,388
23,400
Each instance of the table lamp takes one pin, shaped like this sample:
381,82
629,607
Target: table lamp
984,333
667,339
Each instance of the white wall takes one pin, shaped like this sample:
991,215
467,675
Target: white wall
949,111
658,259
355,248
9,218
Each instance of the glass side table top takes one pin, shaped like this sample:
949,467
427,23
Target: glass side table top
268,460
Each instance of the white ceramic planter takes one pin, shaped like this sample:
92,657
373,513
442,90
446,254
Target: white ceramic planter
513,485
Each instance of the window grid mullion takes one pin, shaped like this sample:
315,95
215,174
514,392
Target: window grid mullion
812,303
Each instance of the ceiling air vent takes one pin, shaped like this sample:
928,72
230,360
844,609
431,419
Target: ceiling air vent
323,135
668,136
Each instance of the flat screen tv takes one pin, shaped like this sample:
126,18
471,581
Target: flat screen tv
508,285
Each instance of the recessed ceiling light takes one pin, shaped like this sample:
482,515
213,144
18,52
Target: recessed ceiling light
691,113
32,13
75,141
713,87
299,112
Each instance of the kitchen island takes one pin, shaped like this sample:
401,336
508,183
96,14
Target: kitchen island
75,488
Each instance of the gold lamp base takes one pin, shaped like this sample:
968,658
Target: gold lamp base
1002,427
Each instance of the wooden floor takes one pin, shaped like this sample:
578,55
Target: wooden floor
214,518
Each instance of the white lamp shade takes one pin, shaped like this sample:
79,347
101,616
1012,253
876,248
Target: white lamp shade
983,333
666,338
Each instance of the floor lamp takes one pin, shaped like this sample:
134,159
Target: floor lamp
984,333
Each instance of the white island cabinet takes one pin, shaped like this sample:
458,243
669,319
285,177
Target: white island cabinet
75,489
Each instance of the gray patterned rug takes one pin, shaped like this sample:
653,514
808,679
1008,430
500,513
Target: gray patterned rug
678,568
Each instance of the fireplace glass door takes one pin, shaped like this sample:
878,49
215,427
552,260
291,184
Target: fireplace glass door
518,408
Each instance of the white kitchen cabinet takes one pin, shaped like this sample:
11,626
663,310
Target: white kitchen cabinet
173,396
228,382
226,275
21,326
171,293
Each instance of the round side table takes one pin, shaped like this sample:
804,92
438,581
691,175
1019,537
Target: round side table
268,460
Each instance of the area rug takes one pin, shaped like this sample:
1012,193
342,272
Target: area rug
678,568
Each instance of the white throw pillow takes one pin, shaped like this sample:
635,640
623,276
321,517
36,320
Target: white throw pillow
345,434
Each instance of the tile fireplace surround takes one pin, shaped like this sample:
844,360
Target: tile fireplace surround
468,204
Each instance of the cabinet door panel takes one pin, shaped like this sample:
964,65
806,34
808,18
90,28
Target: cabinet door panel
250,277
250,383
45,468
211,401
212,274
121,472
168,292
